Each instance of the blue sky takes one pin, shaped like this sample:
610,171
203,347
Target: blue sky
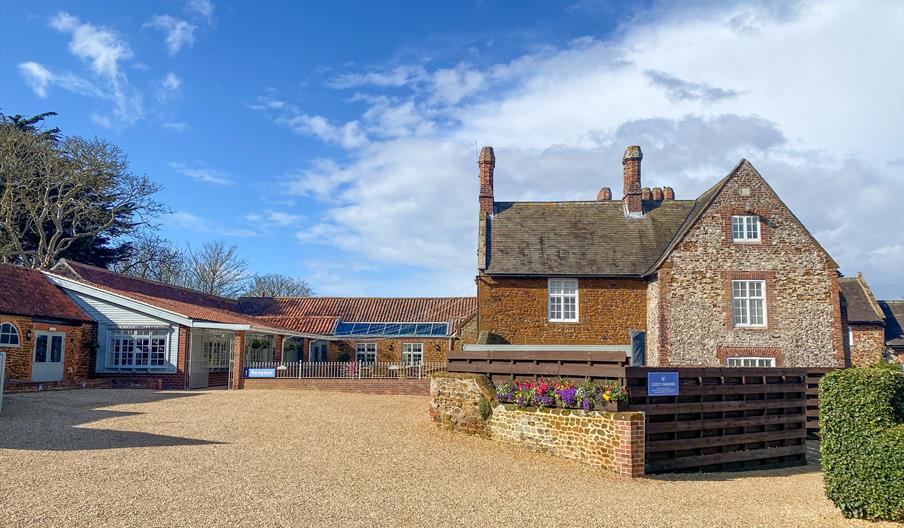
336,141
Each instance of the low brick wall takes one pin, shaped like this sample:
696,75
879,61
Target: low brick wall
613,441
419,387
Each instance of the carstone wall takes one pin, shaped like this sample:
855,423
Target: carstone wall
613,441
868,345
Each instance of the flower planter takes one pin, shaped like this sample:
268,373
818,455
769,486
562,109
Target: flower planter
614,406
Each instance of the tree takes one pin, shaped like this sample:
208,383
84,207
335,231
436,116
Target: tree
217,269
276,285
155,258
67,198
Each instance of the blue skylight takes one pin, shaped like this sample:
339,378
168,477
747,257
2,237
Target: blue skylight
392,329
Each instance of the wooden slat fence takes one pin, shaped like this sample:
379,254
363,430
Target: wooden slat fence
501,366
723,418
813,377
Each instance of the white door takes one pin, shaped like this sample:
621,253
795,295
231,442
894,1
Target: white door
47,364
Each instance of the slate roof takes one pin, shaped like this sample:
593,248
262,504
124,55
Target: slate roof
27,292
591,238
182,301
859,300
303,312
894,322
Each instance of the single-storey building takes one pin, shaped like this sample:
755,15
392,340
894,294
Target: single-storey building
872,327
729,278
368,329
45,335
894,330
149,330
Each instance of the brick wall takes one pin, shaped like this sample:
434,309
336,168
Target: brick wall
372,386
868,345
804,320
613,441
389,350
516,309
77,356
467,334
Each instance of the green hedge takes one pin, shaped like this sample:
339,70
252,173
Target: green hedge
861,421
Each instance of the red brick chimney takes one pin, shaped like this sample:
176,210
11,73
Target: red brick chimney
646,194
487,163
657,193
668,193
604,194
631,164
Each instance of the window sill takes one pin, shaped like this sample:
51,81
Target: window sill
563,321
10,346
750,328
747,242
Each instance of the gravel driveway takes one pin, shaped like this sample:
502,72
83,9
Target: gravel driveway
273,458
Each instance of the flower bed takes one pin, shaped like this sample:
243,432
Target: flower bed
567,394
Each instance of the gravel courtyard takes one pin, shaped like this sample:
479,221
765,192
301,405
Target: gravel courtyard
272,458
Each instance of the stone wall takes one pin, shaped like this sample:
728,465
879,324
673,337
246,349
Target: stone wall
77,354
802,304
868,344
516,309
613,441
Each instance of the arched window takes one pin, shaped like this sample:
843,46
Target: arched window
9,336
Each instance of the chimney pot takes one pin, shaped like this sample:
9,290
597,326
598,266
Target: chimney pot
631,167
604,194
646,194
668,193
487,163
657,194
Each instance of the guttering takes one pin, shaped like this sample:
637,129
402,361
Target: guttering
255,329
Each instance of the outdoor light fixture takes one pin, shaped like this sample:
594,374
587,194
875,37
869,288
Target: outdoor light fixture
28,335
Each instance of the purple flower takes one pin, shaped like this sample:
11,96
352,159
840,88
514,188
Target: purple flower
586,404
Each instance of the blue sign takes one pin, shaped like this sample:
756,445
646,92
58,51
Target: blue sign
662,384
260,372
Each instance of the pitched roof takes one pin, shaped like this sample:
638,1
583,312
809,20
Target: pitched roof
302,311
323,325
858,298
894,322
27,292
182,301
580,238
593,238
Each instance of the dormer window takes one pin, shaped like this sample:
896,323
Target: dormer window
745,228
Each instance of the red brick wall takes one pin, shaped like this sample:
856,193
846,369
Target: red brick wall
77,356
373,386
868,345
517,310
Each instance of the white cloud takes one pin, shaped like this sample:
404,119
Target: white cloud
104,51
179,33
191,221
171,82
202,173
698,88
204,8
399,76
178,126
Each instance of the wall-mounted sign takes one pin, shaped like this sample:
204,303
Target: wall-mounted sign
260,372
662,384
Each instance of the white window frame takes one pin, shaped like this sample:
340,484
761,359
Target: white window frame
556,291
410,351
127,340
755,362
746,302
745,222
217,351
14,331
366,350
850,336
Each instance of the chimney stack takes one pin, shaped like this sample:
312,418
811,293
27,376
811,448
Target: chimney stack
632,196
605,194
646,194
668,193
657,194
487,163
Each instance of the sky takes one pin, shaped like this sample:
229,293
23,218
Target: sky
337,141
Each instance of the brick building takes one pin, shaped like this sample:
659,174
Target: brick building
729,278
388,329
872,328
45,336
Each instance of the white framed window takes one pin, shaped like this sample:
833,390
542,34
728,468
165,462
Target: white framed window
412,353
850,336
745,228
748,301
9,335
141,349
751,362
366,352
217,351
563,300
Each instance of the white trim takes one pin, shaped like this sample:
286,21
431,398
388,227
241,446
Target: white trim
765,322
577,300
746,221
548,348
254,329
365,344
18,335
750,358
421,353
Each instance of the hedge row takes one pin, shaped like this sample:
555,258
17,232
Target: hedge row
861,418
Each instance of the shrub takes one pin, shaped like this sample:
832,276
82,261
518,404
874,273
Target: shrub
861,419
485,408
343,357
561,393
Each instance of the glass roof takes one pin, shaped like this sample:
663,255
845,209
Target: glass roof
392,329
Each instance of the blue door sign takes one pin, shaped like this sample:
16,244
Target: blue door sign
662,384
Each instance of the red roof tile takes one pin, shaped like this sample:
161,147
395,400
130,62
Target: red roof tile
182,301
323,325
27,292
363,309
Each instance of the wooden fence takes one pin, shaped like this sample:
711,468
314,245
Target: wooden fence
723,418
814,375
504,365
